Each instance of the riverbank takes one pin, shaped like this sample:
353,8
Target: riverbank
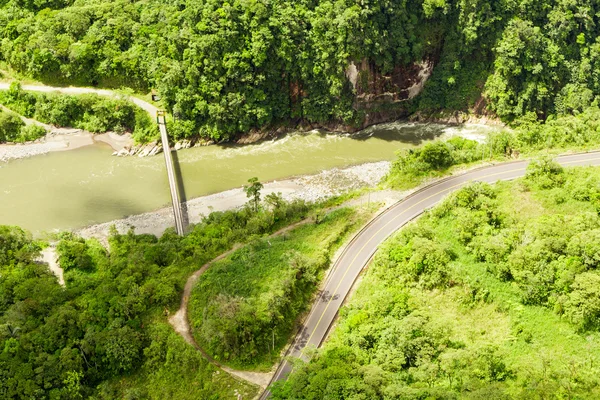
325,184
61,139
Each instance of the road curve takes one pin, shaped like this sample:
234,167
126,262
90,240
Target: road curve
363,246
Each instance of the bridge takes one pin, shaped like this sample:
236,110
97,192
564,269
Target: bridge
150,109
175,198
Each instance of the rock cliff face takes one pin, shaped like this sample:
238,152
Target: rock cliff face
379,96
403,83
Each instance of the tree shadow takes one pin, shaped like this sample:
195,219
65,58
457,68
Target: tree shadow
181,189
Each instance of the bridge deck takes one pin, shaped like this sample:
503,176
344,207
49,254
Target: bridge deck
177,210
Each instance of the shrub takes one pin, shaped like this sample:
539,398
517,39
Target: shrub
586,246
437,154
10,127
545,173
32,132
423,261
73,254
412,164
58,110
582,305
489,365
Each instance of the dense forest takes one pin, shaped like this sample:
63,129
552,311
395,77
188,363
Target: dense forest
494,294
104,334
224,68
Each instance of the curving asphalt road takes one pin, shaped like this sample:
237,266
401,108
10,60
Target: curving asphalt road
363,246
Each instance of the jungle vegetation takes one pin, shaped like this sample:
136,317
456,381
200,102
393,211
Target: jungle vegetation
224,68
528,138
13,129
492,294
105,334
244,308
91,112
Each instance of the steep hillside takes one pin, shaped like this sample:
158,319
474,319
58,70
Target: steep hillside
226,68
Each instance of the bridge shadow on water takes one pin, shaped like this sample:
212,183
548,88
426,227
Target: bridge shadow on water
181,189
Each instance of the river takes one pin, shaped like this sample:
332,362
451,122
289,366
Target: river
72,189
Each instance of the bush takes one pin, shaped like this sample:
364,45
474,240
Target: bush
10,127
32,132
58,110
586,247
437,154
422,261
582,305
73,254
545,173
413,164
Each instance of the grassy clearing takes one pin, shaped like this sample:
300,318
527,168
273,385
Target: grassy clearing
244,308
492,294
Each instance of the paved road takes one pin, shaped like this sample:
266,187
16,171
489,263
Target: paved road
363,246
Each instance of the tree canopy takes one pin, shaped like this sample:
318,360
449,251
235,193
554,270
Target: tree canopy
224,68
104,334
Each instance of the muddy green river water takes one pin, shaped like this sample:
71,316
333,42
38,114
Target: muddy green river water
76,188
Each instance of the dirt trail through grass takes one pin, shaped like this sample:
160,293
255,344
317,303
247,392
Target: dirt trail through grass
181,324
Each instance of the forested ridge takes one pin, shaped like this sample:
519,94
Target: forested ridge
224,68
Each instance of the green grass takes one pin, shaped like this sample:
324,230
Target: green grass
424,326
244,308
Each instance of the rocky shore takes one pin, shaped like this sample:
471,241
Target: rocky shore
154,148
61,139
310,188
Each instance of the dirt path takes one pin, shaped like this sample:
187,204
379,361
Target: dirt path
60,139
151,109
181,324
